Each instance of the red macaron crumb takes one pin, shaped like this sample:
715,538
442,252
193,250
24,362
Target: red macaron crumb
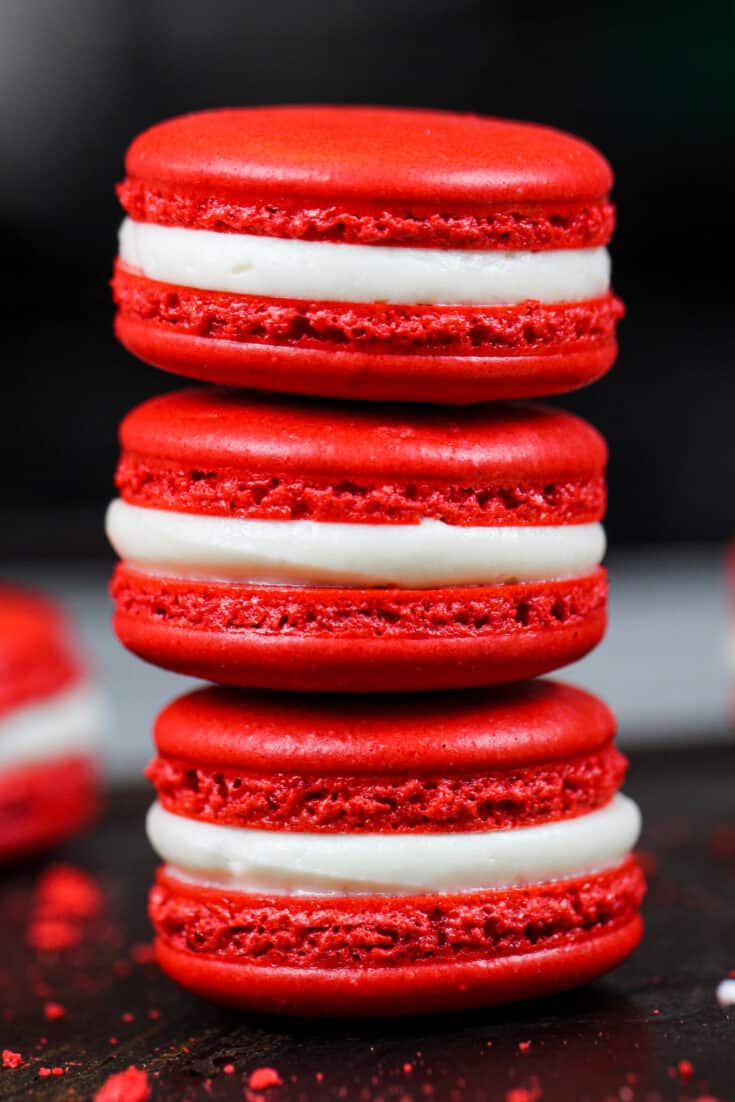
52,1011
262,1078
65,899
10,1059
497,800
131,1085
524,1094
380,931
530,327
51,935
142,953
68,890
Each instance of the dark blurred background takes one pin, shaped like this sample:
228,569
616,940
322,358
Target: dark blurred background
650,83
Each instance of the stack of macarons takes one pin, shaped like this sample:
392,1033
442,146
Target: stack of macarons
365,534
51,721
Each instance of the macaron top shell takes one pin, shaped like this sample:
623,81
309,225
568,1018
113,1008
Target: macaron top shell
371,175
402,155
420,735
37,655
502,443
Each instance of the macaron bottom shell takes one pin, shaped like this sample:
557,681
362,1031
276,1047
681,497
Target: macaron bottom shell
304,638
342,372
605,929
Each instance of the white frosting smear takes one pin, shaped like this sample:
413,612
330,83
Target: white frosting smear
283,862
323,270
69,722
307,552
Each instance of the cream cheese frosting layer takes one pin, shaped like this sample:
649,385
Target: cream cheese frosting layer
283,862
307,552
323,270
70,722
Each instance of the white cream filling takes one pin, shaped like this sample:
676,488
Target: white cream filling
69,722
307,552
281,862
289,268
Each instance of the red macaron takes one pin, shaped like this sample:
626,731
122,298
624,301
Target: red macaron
367,252
49,719
251,910
311,545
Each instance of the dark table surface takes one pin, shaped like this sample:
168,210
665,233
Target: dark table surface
619,1040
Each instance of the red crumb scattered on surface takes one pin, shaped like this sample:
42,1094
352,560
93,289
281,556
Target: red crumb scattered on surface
70,891
125,1086
154,1014
143,953
53,1011
44,1073
262,1078
127,1017
407,1068
319,1077
64,899
523,1046
229,1069
685,1070
51,935
531,1093
11,1059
